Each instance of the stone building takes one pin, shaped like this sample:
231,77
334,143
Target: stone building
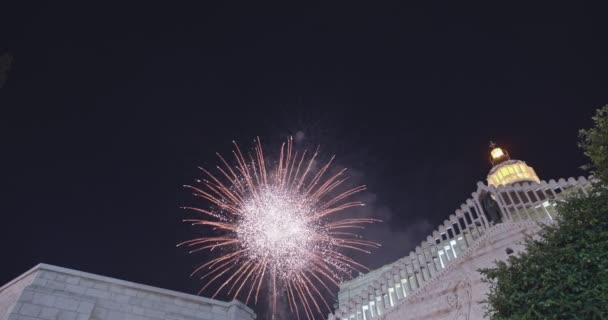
53,293
439,278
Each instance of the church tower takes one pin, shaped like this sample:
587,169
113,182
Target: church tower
506,170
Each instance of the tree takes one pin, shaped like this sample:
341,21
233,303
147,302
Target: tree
594,142
563,274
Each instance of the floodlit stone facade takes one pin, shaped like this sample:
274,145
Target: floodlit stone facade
52,293
458,292
439,279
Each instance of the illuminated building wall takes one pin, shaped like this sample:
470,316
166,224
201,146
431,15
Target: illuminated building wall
439,278
511,171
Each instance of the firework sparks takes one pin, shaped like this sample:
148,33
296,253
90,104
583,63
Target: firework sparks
278,224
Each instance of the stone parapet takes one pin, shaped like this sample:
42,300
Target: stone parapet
53,293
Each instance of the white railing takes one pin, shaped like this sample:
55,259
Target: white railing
370,296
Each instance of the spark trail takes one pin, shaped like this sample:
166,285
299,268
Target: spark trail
279,221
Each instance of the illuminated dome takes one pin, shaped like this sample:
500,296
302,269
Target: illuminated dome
506,171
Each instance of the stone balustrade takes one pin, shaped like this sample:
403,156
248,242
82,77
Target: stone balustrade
371,295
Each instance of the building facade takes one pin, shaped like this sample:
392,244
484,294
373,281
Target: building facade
53,293
439,279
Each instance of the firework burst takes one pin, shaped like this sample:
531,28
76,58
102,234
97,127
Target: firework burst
280,224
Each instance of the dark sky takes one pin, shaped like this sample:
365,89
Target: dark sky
109,108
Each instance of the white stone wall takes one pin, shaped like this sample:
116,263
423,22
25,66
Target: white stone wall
521,204
9,294
55,293
458,292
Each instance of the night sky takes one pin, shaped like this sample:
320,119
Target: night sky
108,110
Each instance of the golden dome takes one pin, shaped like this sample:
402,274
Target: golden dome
506,171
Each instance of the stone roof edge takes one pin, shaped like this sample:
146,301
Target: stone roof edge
143,287
562,181
19,278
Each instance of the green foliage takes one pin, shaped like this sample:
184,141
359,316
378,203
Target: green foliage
594,142
564,273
